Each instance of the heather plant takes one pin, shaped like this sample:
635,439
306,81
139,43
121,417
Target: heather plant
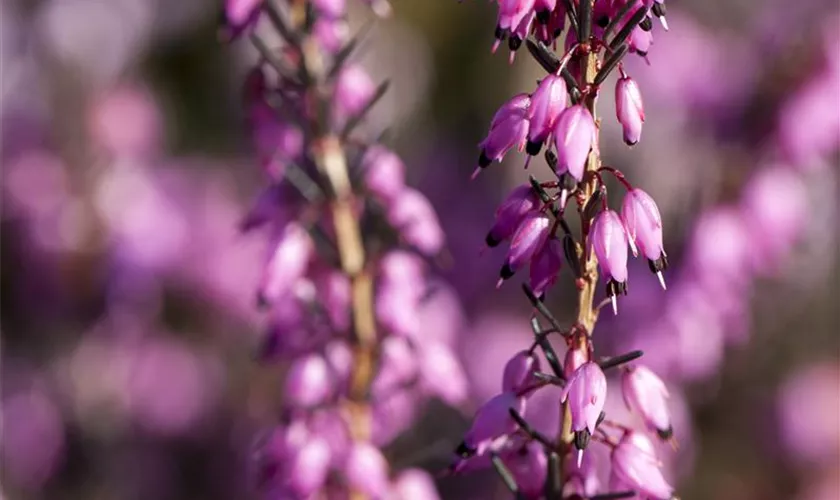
559,121
350,250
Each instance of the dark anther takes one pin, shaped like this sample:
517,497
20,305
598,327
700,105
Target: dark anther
506,272
543,16
603,21
464,451
665,434
483,160
646,24
491,241
616,288
582,439
658,265
601,418
533,148
658,9
568,182
514,42
501,33
551,159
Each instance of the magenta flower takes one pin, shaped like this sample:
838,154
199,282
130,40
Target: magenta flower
529,237
414,484
545,267
308,466
645,393
641,41
635,467
413,215
575,358
644,229
574,134
608,239
366,470
288,262
510,132
529,466
511,14
353,91
586,393
240,15
384,173
519,203
547,102
308,382
629,109
519,371
516,106
491,421
330,8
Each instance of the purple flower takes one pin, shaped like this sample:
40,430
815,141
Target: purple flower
384,173
353,91
574,133
629,109
529,237
608,239
519,203
546,266
414,484
519,371
635,467
414,216
581,477
529,466
308,382
517,106
644,229
645,393
330,8
493,420
366,470
510,132
547,102
586,393
293,248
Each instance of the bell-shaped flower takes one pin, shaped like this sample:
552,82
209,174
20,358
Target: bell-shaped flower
574,134
545,267
581,477
547,102
366,470
519,203
491,421
309,382
354,90
519,371
510,132
511,14
608,240
293,249
646,394
529,237
644,229
516,106
586,393
384,173
635,467
529,466
629,109
413,215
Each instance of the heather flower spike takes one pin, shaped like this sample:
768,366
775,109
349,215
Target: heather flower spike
629,109
519,203
574,134
644,230
586,393
645,393
608,240
529,238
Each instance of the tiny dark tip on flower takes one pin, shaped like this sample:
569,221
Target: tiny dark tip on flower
483,160
464,451
543,16
514,42
262,301
506,272
491,241
658,9
646,24
602,21
533,148
630,143
582,439
665,434
500,33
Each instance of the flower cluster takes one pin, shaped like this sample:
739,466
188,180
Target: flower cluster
558,119
347,268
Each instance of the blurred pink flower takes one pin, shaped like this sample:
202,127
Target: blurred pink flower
809,413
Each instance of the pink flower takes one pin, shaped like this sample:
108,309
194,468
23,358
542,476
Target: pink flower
644,229
529,237
586,393
384,173
366,470
645,393
308,382
574,133
353,91
629,109
519,371
547,102
493,420
635,467
414,216
608,239
519,203
241,15
510,132
293,248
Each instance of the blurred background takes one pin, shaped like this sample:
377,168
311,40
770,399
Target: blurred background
128,317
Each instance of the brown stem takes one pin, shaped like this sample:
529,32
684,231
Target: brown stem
587,314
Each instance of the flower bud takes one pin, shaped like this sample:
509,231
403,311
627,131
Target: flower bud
353,91
308,468
521,201
629,109
529,466
511,131
528,238
547,102
403,269
519,371
366,470
644,228
608,239
575,358
586,393
635,467
574,133
384,173
415,218
546,266
240,15
332,290
288,262
308,382
645,393
492,420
